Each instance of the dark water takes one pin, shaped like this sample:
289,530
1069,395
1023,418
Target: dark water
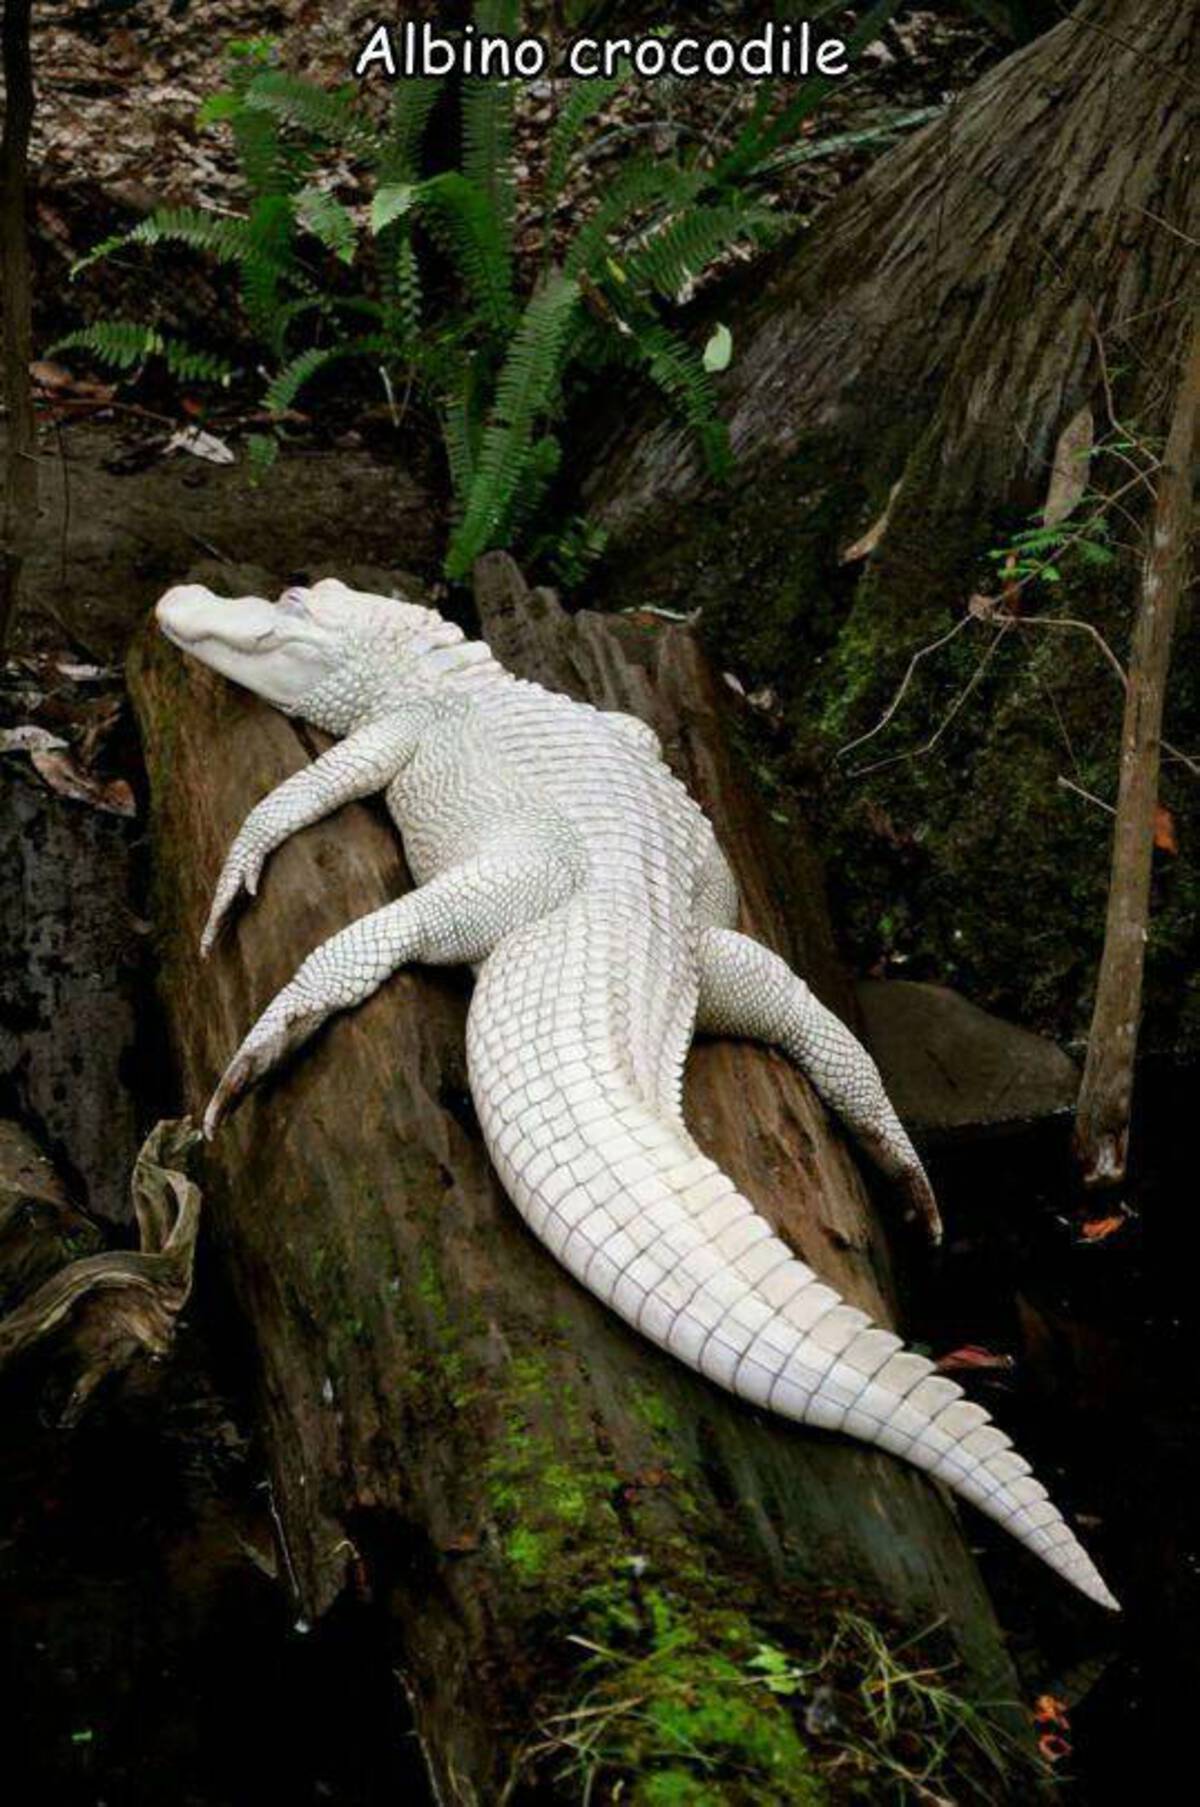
1104,1401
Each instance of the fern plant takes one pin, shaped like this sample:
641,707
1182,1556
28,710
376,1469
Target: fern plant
495,358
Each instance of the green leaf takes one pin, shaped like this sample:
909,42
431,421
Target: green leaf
263,450
319,213
391,203
719,351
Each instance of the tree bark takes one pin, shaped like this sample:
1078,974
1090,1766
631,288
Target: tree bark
938,329
452,1422
1106,1095
16,313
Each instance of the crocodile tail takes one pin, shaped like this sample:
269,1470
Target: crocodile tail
632,1208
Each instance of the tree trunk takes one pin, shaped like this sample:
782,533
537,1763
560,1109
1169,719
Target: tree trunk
938,330
910,367
1106,1096
450,1421
16,331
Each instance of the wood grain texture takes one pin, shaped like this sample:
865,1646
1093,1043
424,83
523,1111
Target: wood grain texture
447,1415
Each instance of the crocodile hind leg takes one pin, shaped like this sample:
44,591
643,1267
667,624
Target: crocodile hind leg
455,919
747,990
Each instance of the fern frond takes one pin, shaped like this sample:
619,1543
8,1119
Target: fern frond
679,251
260,152
400,154
263,450
325,113
120,344
762,133
319,213
127,344
642,184
487,123
677,369
540,468
583,102
461,428
400,284
527,391
286,385
223,236
192,365
466,225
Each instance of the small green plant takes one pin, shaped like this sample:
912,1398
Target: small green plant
1036,553
495,353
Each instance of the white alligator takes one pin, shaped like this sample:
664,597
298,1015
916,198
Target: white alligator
555,852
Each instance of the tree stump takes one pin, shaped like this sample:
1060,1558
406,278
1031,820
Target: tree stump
551,1512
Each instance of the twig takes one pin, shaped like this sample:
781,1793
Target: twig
921,653
1069,784
860,771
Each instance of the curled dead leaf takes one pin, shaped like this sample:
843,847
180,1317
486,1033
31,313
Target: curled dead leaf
1069,478
66,776
863,548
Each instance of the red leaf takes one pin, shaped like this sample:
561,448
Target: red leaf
1165,838
973,1356
1099,1229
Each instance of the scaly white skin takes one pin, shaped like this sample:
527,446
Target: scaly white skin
554,852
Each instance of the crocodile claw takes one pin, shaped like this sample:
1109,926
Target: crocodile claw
920,1204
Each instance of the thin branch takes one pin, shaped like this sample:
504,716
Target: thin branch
922,653
1069,784
971,685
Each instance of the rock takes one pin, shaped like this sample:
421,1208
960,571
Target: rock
951,1066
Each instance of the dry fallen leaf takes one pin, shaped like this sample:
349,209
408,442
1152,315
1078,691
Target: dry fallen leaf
53,379
28,738
1099,1229
64,775
1068,480
863,548
201,445
1165,837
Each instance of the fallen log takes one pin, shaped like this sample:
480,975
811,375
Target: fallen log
581,1547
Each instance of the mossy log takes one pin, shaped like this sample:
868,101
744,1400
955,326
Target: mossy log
450,1421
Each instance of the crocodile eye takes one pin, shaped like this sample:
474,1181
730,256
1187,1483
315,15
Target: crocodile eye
293,601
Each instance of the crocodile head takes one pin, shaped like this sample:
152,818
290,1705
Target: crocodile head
330,654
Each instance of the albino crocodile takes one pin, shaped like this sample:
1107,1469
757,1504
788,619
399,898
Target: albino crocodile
555,852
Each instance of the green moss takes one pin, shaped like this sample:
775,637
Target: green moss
549,1489
677,1717
968,863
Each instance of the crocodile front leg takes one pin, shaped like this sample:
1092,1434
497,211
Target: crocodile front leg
455,919
363,763
747,990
